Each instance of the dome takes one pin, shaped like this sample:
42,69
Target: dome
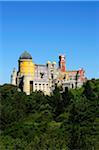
48,62
25,55
54,63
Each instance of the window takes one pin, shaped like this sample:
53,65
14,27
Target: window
35,86
39,86
47,86
43,86
42,75
31,86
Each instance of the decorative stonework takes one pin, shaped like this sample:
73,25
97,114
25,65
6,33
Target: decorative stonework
31,77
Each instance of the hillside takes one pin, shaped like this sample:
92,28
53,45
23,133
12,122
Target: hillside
62,121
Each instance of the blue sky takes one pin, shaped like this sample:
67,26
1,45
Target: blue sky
47,29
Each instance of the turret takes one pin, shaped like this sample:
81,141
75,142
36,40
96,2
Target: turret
53,64
62,65
48,64
13,77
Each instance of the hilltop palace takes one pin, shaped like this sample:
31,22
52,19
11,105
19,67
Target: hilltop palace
31,77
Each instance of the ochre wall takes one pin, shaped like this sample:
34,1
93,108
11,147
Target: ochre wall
26,67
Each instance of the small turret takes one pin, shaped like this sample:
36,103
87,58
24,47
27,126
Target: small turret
48,64
54,64
13,77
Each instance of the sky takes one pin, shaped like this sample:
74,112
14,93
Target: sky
48,29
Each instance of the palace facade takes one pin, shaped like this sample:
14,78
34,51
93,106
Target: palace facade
31,77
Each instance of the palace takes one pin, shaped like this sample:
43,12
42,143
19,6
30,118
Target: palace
31,77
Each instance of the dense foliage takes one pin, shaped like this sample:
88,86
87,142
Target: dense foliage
62,121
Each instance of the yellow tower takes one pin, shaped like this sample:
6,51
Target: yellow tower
26,65
26,72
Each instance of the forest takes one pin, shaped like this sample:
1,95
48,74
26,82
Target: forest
66,120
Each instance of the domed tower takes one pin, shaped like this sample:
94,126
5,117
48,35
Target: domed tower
26,65
26,70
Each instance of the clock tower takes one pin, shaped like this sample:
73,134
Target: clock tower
62,63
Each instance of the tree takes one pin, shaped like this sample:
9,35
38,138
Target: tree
56,103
